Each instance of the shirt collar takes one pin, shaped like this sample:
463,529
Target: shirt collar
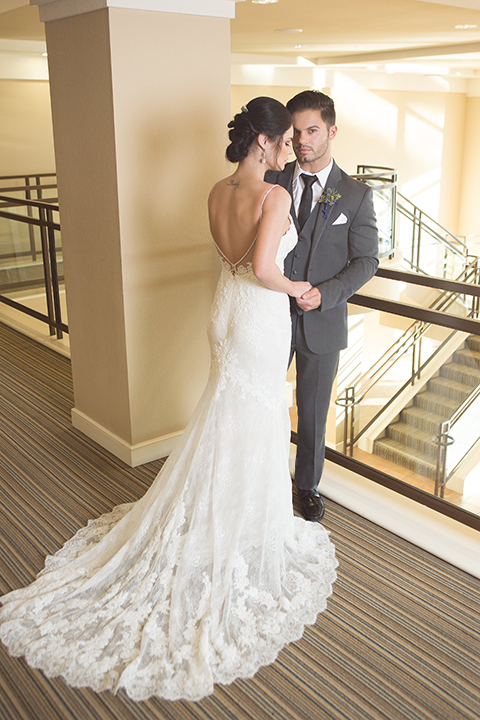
322,175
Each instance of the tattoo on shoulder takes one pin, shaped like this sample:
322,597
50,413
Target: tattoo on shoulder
235,184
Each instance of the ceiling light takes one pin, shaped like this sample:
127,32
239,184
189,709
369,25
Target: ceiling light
289,30
299,46
465,27
264,2
44,54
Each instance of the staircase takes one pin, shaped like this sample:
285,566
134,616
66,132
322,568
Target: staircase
408,442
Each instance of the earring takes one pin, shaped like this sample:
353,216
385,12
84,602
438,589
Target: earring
263,157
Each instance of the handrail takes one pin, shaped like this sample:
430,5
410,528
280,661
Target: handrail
22,188
403,388
415,312
411,336
433,281
431,230
28,175
442,302
31,203
47,228
465,405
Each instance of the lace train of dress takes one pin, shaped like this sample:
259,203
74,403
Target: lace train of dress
209,575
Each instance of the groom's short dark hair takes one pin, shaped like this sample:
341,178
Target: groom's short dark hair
314,100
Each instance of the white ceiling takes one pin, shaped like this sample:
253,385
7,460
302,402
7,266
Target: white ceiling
360,33
420,35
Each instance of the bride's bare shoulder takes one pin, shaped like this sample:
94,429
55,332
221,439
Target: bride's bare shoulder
276,195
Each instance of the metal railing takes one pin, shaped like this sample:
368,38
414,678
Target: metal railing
452,245
411,339
38,216
30,187
468,284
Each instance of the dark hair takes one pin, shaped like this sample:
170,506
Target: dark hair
262,115
314,100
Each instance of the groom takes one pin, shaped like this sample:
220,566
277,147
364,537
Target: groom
337,253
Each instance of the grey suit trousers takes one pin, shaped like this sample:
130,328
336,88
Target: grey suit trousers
315,377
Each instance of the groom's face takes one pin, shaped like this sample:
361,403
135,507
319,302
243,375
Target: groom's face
312,140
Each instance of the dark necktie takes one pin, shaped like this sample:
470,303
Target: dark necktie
305,207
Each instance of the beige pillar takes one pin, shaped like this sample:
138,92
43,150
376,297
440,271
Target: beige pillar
140,102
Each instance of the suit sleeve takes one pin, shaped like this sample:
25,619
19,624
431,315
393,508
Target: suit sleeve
362,257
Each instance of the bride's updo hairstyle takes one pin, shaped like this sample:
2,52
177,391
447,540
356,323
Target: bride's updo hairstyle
261,116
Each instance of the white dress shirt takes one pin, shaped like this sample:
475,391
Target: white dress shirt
299,185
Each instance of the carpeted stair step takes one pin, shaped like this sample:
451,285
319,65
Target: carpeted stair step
423,418
461,373
413,438
438,404
405,457
409,441
473,342
447,388
467,356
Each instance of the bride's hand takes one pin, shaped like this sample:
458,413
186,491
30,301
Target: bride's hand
300,288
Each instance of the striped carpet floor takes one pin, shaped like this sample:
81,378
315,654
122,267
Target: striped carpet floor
399,641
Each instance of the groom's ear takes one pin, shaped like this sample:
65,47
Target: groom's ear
332,132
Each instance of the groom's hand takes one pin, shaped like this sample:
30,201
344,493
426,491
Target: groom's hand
310,300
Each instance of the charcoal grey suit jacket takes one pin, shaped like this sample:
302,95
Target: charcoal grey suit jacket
337,254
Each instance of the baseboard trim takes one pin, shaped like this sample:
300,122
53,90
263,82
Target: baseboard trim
440,535
132,455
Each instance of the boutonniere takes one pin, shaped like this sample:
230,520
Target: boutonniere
329,197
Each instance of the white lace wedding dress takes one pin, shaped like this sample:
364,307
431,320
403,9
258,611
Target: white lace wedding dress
209,575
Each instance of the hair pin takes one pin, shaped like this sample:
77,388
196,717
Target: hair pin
244,108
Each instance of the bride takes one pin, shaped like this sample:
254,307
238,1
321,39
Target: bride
209,575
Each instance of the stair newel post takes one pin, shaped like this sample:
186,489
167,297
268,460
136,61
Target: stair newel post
31,228
348,403
442,440
417,352
351,399
418,238
414,229
476,299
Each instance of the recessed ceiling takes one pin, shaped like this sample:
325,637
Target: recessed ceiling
332,30
347,32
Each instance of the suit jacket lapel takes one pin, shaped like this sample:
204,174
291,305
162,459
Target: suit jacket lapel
333,181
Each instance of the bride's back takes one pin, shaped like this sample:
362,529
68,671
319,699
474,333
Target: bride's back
234,212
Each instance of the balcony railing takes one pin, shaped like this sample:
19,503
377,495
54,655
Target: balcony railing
30,250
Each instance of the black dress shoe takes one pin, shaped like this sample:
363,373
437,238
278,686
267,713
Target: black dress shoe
312,505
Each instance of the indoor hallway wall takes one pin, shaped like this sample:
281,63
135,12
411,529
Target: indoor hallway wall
26,135
469,211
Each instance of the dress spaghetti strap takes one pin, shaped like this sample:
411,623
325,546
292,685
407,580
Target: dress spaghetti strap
264,198
233,266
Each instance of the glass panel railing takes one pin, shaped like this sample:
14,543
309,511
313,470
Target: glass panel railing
407,399
426,246
383,182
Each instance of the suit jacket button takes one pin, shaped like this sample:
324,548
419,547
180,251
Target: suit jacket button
296,255
295,272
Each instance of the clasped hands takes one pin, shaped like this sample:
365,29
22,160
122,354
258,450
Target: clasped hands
310,300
